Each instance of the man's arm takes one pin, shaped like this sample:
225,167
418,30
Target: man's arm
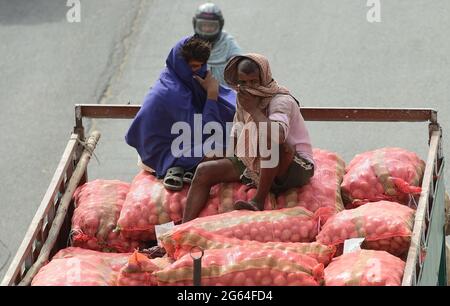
250,104
210,85
259,117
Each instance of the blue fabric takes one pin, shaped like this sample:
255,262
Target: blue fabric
223,49
175,97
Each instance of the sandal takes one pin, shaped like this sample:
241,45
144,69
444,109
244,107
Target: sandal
187,177
174,179
154,252
244,205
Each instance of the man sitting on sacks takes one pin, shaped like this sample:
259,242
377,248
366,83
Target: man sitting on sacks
272,147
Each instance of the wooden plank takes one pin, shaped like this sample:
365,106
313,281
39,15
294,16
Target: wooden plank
414,249
69,173
64,233
51,212
38,241
62,187
28,262
45,231
61,213
39,235
309,113
35,253
46,203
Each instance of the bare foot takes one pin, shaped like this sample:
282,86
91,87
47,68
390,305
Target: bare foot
250,205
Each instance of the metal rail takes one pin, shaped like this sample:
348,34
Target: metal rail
309,113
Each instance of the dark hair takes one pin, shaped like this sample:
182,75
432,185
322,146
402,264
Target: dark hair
196,49
248,66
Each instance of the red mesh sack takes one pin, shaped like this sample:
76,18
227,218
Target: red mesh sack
244,266
295,224
386,226
81,267
365,268
391,174
97,209
139,271
148,204
223,196
324,188
185,240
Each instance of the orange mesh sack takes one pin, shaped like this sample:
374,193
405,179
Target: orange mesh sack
391,174
324,188
386,226
97,209
139,270
365,268
244,266
295,224
81,267
185,240
148,204
222,197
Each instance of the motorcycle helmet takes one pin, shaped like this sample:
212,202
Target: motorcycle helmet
208,22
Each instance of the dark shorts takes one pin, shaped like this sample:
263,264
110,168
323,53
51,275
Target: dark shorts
298,174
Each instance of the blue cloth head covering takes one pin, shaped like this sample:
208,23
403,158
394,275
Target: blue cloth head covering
175,97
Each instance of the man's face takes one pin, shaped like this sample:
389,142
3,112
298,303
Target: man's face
209,28
244,81
206,27
248,80
195,65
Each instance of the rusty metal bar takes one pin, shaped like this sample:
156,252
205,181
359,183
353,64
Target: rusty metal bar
309,113
197,266
369,114
106,111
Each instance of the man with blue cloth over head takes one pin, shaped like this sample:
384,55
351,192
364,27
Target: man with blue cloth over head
183,92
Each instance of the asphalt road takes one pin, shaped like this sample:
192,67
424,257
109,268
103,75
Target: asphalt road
326,52
47,65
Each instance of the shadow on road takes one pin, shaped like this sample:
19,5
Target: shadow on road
32,12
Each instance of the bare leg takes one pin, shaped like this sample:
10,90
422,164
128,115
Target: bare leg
207,175
214,155
266,178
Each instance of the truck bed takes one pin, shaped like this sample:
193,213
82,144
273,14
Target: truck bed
426,261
